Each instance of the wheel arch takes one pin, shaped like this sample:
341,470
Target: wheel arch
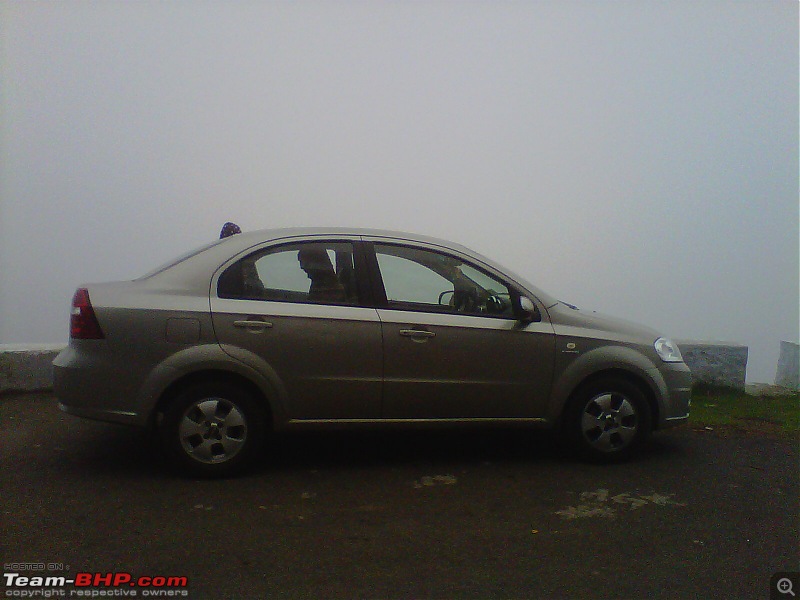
626,375
205,363
215,375
611,361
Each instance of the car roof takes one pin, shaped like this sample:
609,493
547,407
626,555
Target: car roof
263,235
220,251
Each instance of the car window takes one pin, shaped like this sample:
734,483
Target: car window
417,279
409,281
313,272
180,259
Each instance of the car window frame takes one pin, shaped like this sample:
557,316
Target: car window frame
382,301
364,288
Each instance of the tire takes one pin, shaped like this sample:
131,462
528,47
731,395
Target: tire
607,419
212,429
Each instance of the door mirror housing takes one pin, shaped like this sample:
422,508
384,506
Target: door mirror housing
527,311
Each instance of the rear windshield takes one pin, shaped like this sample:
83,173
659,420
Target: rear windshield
180,259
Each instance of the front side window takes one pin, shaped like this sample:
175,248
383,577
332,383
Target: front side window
312,272
416,279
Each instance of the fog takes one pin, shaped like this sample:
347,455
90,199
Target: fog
635,158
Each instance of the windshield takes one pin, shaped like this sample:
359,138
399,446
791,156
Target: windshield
180,259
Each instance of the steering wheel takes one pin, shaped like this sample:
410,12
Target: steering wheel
497,304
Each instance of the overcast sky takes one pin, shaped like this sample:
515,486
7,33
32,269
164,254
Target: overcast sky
634,158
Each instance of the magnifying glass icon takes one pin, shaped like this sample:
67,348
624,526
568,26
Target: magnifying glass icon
784,586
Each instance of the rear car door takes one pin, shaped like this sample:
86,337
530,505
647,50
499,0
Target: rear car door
295,311
453,346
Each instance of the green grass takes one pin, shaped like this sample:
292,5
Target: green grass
732,409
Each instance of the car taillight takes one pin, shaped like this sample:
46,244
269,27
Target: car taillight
83,323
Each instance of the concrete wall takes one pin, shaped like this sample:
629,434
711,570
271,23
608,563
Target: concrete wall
27,367
715,363
788,374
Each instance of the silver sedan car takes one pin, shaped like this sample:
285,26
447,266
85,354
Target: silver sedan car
306,328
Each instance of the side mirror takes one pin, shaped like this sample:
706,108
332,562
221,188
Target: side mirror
527,311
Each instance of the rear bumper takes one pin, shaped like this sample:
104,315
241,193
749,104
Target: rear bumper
90,388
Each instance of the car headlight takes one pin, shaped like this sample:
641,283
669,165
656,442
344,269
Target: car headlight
668,350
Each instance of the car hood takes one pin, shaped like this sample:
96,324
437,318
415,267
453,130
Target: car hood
569,320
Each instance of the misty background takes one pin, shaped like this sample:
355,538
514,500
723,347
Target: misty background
635,158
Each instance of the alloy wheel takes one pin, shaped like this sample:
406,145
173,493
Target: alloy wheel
212,430
609,422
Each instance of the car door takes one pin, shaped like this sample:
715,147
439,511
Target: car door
294,311
453,346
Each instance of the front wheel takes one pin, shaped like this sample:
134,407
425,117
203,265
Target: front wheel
212,429
607,419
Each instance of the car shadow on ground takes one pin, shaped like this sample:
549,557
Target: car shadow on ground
111,449
402,447
115,449
317,450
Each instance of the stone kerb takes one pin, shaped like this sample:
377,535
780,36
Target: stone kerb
27,367
716,363
788,373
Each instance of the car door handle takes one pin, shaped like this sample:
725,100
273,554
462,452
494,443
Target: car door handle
417,333
253,325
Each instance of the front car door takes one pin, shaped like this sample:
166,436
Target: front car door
296,311
453,346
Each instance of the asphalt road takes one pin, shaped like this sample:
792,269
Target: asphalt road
490,514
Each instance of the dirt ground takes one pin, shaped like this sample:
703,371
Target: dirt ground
455,514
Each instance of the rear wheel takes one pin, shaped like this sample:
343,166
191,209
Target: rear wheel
212,429
608,418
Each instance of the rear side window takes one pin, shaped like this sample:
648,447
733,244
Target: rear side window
180,259
311,272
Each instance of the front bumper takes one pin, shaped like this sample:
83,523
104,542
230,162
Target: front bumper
678,394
